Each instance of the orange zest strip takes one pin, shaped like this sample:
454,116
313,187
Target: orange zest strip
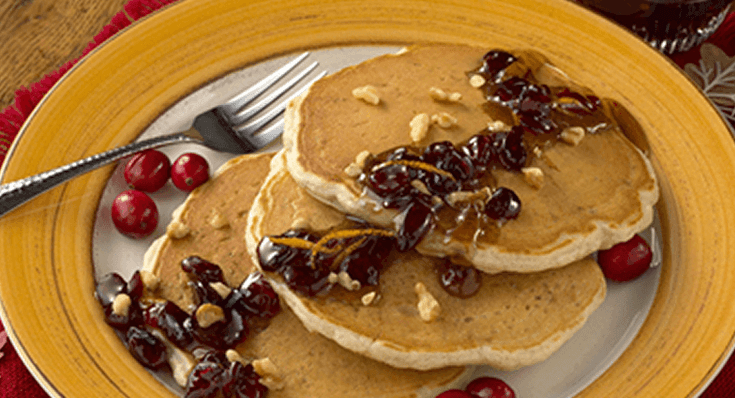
346,252
319,247
415,164
293,242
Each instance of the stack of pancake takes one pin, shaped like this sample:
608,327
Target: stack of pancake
539,284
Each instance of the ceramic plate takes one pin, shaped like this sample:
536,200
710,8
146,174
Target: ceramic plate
666,334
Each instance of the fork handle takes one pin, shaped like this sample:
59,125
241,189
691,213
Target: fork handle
16,193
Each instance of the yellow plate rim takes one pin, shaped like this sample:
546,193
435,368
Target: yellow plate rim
159,60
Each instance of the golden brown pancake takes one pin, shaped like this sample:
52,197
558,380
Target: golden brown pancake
312,365
513,320
593,194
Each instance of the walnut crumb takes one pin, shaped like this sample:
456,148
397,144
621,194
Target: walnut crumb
150,280
354,169
428,307
368,298
218,220
177,230
332,278
444,120
477,81
221,289
346,281
572,135
537,152
419,127
420,186
208,314
534,176
368,94
270,374
121,305
440,95
497,125
234,356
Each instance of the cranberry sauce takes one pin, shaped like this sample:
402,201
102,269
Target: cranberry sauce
312,263
451,187
223,317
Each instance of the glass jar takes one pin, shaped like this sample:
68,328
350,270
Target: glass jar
668,25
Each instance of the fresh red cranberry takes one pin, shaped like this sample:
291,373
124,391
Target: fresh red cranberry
503,205
458,280
148,171
134,214
454,394
489,387
627,260
146,348
189,171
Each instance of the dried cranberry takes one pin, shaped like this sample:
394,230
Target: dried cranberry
147,171
489,387
134,214
108,287
458,280
223,334
146,348
174,322
454,394
495,62
306,280
273,256
510,90
440,184
390,180
258,296
418,220
189,171
627,260
481,150
503,205
243,382
510,148
202,269
209,376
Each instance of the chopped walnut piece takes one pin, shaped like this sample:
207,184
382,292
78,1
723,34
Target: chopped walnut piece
121,305
440,95
428,307
368,298
346,281
497,125
332,278
572,135
368,94
420,186
221,289
218,220
419,127
354,169
477,81
270,375
444,120
208,314
150,280
534,176
234,356
537,152
177,230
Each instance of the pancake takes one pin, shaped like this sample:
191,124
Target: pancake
591,194
513,320
312,365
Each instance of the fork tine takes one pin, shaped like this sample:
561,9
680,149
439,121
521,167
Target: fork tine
242,99
249,112
246,131
267,135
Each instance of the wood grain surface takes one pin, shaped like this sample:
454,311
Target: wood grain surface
38,36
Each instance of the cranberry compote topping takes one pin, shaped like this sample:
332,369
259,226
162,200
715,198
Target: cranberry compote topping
109,287
458,280
215,376
258,297
305,264
495,62
146,348
503,205
419,218
223,334
510,148
244,382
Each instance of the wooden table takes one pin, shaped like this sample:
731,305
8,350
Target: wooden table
38,36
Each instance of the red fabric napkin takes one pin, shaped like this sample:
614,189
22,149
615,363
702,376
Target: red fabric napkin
16,381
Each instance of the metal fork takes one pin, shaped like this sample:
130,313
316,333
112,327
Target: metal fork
226,128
